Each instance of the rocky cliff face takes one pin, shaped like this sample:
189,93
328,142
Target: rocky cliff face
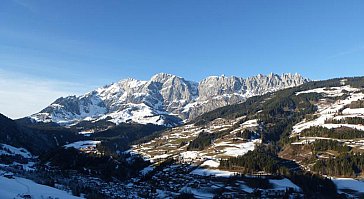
165,99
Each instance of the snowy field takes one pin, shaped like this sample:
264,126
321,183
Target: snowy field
330,92
234,150
139,113
197,193
210,163
14,188
169,145
349,183
330,110
10,150
86,133
83,144
250,123
284,183
212,172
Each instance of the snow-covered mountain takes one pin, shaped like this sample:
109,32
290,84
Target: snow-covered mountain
165,99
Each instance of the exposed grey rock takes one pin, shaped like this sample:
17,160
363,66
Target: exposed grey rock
163,95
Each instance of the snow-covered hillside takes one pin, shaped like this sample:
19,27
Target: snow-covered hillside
336,110
17,188
87,146
173,144
10,150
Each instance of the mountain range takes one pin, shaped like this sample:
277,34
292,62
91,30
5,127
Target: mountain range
306,140
165,99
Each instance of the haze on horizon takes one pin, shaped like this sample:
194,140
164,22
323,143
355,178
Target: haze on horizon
48,50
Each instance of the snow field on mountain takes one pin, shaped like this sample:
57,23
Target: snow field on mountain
250,123
139,113
349,183
197,193
212,172
10,150
86,133
330,110
211,164
83,144
330,92
144,102
236,149
190,154
356,111
284,183
172,140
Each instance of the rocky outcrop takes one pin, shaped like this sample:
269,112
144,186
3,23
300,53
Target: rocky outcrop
163,97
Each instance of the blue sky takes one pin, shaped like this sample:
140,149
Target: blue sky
69,47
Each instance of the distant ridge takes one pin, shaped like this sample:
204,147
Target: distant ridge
165,99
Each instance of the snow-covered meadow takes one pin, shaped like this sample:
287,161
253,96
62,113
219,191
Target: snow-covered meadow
328,111
6,149
19,187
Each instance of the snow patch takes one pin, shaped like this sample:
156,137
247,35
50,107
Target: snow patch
250,123
83,144
235,150
212,172
349,183
11,188
282,184
211,163
330,91
354,111
330,110
10,150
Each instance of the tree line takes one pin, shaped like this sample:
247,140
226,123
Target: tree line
346,120
348,165
336,133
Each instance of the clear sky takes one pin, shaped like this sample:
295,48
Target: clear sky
62,47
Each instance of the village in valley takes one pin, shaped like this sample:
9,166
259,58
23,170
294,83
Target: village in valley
174,170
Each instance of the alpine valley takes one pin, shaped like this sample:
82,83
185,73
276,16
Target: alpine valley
267,136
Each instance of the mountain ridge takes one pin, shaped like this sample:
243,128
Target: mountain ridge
165,99
301,135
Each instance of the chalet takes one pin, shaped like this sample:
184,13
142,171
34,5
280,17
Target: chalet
26,196
9,175
274,193
189,157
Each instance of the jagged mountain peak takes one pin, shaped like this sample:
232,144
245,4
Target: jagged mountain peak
165,99
165,78
162,76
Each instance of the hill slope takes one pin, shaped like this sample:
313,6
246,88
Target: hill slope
317,127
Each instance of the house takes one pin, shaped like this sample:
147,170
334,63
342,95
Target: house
9,175
274,193
188,156
26,196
